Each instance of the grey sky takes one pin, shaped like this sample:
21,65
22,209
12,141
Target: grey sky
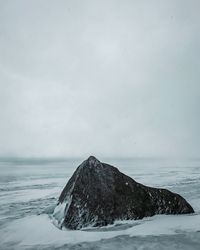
109,78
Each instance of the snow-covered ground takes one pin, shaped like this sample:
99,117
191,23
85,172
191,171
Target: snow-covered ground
29,190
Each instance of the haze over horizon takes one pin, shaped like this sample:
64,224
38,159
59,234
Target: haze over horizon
104,78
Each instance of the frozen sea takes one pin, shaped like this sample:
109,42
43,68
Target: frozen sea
29,189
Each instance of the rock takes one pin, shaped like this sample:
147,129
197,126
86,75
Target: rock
97,194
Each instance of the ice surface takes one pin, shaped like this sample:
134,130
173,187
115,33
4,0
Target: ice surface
29,195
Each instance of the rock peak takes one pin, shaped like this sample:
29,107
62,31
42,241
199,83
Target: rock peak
90,163
92,160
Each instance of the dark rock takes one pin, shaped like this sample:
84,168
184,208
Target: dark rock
98,194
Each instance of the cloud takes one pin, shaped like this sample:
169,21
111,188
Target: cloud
109,78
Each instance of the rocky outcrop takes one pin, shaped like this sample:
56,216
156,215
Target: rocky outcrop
98,194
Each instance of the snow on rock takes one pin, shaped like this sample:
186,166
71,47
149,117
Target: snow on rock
60,212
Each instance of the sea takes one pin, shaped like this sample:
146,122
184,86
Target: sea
29,191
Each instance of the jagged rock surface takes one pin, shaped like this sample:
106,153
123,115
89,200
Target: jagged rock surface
97,194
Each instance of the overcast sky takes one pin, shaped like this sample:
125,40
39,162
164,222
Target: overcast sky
108,78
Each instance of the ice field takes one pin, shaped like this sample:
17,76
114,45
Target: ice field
29,189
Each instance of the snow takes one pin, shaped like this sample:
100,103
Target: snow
38,230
